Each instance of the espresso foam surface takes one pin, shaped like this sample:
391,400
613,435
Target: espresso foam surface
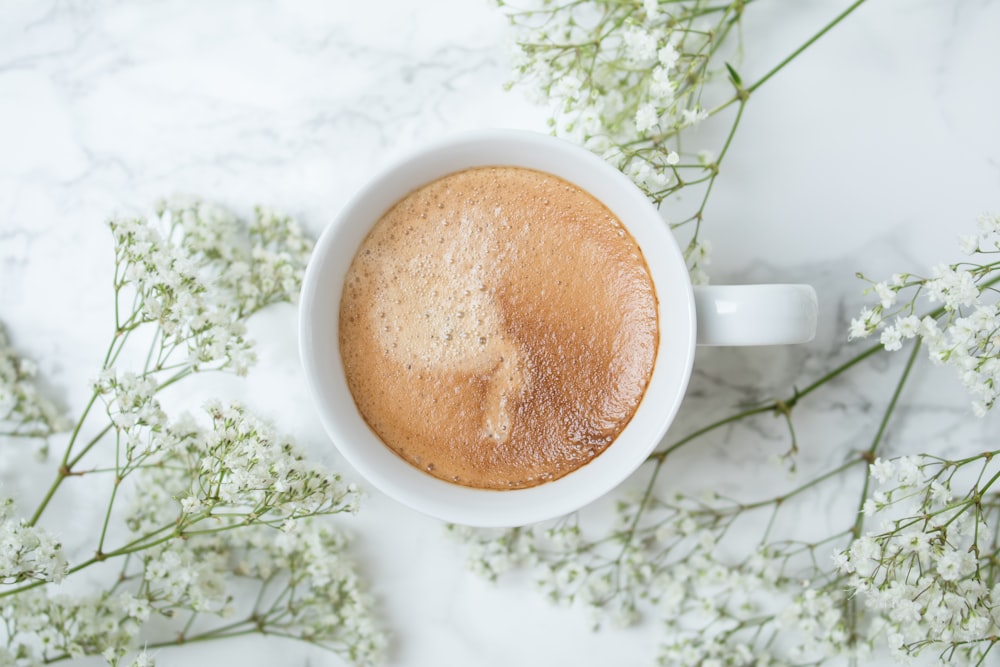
498,328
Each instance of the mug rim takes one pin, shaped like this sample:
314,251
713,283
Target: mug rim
319,320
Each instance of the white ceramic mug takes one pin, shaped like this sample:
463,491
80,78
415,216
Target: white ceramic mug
716,315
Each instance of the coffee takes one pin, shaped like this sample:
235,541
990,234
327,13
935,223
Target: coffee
498,328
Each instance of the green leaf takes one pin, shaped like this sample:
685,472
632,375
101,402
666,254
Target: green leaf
734,77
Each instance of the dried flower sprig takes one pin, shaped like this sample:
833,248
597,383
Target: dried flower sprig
216,528
197,273
671,558
628,80
625,78
25,412
929,570
964,330
631,80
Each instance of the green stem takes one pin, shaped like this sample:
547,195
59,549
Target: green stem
114,494
79,425
869,454
809,42
718,161
662,454
25,434
792,56
830,474
86,448
219,633
66,466
777,405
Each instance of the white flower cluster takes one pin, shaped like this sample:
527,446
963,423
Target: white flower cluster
309,588
315,592
40,628
199,273
929,572
697,256
326,603
237,471
663,559
250,465
187,576
491,553
214,508
964,331
130,400
226,517
623,78
24,411
27,553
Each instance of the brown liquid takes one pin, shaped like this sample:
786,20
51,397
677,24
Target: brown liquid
498,328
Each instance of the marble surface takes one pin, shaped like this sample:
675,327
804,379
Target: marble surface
871,153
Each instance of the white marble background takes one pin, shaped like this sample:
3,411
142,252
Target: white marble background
872,152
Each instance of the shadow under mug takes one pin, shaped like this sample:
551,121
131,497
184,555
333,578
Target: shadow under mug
715,315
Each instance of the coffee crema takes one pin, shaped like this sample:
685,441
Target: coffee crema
498,328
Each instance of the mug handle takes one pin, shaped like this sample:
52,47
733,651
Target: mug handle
755,314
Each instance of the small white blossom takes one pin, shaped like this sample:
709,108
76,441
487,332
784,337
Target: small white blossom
661,87
908,326
886,294
989,223
965,335
646,118
891,339
693,116
27,552
24,410
640,45
668,56
953,564
858,329
968,243
952,287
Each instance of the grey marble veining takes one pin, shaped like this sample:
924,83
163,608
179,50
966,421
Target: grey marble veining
872,153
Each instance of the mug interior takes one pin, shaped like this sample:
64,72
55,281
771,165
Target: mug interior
319,321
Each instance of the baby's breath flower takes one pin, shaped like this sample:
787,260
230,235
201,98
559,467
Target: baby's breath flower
199,272
968,243
632,93
886,294
63,626
891,339
925,574
27,552
952,286
239,467
24,410
664,559
867,323
698,256
142,659
693,116
859,329
962,332
640,45
646,119
989,224
218,510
